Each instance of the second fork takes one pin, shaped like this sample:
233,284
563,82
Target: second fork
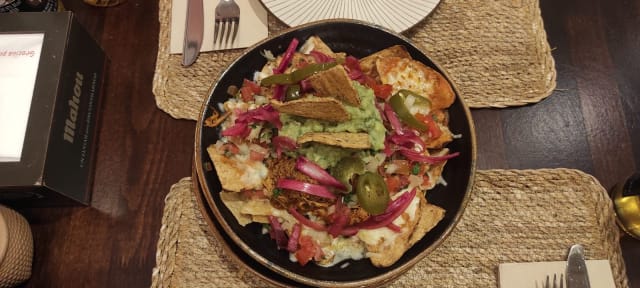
226,24
557,283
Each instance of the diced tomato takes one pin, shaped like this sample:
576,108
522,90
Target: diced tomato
383,91
307,249
393,184
320,57
402,166
254,87
246,94
368,81
249,88
434,130
256,156
425,180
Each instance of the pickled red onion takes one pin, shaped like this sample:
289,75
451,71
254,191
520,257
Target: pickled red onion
281,143
393,119
316,172
304,187
395,209
292,245
286,58
264,113
320,57
305,221
419,157
277,232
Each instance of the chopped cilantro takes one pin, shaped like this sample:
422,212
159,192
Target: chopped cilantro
277,192
415,169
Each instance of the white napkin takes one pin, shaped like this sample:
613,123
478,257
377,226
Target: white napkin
20,52
523,275
253,25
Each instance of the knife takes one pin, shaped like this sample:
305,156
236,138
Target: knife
576,271
193,32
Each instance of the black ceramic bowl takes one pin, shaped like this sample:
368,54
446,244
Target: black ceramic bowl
358,39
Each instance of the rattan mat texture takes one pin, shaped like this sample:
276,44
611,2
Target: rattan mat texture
496,51
512,216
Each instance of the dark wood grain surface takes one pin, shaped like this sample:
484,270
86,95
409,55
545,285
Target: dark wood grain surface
591,123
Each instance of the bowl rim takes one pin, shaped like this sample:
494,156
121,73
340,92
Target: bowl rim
376,280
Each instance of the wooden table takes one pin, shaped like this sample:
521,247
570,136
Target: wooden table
591,123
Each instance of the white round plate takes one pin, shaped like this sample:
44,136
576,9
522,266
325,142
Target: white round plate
397,15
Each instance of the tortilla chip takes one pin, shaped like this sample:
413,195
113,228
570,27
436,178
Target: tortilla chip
260,219
246,210
368,64
260,207
315,43
228,171
234,203
340,139
328,109
335,82
435,171
385,252
429,217
441,141
403,73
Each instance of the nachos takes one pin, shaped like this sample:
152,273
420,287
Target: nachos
333,154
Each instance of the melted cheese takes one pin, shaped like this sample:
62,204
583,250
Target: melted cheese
254,173
342,249
404,76
336,250
385,235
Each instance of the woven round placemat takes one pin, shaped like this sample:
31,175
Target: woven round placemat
513,216
496,51
15,264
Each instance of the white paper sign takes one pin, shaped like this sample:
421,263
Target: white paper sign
19,58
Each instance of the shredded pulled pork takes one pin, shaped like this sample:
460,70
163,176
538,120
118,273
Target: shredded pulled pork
286,168
304,203
357,215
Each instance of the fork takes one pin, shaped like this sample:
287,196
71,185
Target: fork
226,25
555,283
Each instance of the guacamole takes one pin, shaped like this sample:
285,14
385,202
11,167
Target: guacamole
324,155
365,118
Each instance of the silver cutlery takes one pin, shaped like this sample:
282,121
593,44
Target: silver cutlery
576,270
193,32
226,25
558,282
